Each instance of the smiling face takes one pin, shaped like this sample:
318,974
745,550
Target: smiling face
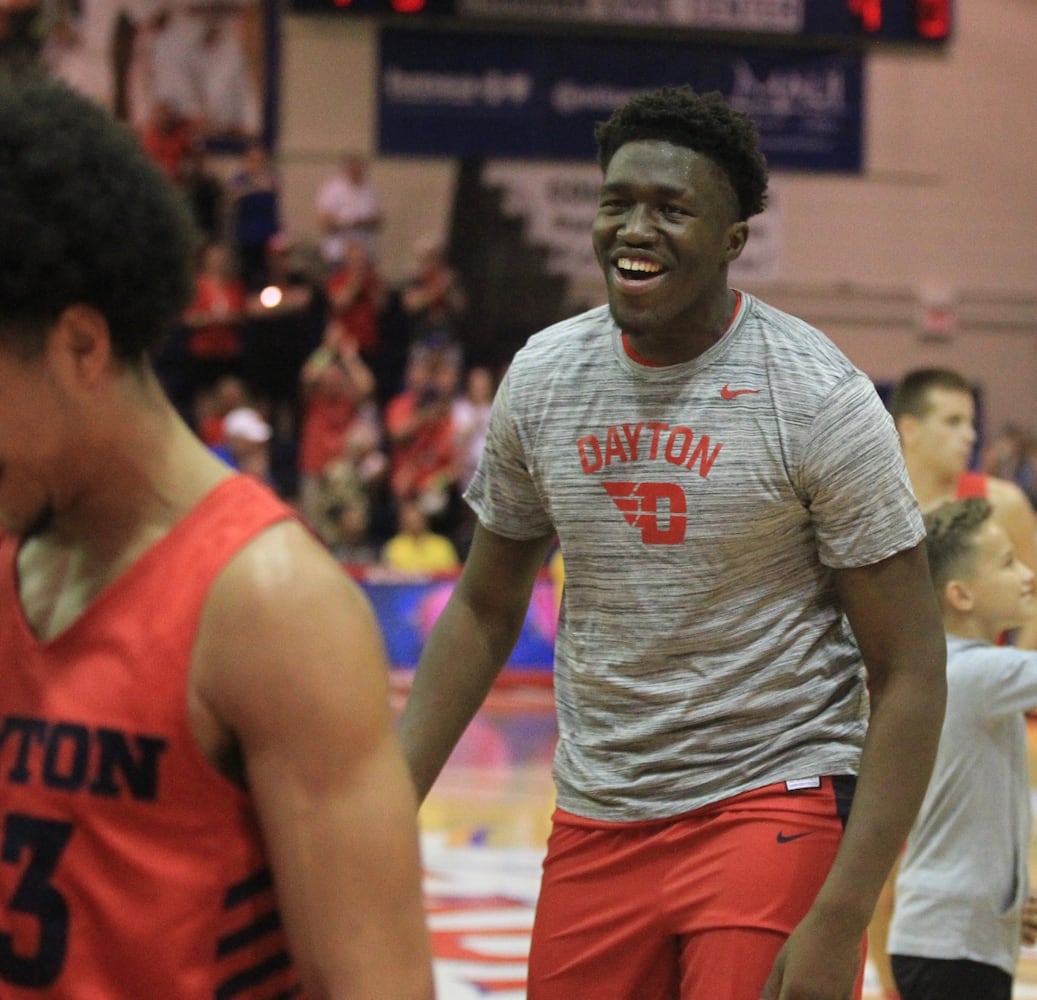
1000,589
666,230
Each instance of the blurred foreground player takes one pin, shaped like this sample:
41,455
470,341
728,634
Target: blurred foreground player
202,794
728,493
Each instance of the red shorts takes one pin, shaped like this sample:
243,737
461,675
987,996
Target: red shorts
694,907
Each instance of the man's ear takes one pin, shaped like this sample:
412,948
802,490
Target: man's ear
958,596
907,425
737,236
81,344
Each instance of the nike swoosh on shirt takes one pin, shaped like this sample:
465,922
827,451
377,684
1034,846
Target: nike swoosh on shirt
728,393
785,838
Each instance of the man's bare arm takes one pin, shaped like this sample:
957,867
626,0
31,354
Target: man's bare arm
895,616
469,645
292,664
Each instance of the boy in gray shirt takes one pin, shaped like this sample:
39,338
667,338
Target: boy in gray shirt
962,906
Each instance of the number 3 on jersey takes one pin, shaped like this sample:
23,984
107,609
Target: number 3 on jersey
35,959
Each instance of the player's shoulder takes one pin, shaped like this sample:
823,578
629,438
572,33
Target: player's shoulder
568,337
1004,495
281,573
800,351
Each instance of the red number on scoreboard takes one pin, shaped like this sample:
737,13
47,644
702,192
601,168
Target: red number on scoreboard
933,18
869,12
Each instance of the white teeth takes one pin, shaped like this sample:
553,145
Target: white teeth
645,266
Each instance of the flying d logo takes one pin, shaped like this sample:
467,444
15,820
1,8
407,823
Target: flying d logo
658,510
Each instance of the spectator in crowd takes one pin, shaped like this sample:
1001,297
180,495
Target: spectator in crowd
433,298
354,476
215,316
1012,455
419,428
204,65
352,544
205,191
335,386
349,209
212,406
962,894
416,548
168,138
254,190
285,322
356,295
284,326
470,416
246,443
215,320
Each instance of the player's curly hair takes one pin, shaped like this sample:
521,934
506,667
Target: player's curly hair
85,218
705,123
950,537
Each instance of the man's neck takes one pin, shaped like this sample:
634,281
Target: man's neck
931,488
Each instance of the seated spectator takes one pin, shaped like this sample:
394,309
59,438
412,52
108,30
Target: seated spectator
422,456
355,476
168,137
415,548
349,210
356,296
352,544
255,213
335,385
205,192
284,326
470,416
214,320
246,445
433,299
213,405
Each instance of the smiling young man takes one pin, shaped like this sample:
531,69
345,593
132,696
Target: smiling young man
202,792
731,502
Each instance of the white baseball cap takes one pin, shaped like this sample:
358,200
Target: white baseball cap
246,423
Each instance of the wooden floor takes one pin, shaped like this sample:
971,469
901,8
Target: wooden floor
483,833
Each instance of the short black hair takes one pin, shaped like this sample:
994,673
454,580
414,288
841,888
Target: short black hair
705,123
911,394
86,218
950,538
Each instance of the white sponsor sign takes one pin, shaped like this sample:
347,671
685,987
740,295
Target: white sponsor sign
783,16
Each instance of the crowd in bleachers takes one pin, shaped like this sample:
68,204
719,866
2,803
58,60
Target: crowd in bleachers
300,363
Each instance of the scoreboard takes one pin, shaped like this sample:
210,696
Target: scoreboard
823,22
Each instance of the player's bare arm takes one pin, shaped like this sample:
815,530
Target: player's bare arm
469,645
290,667
895,617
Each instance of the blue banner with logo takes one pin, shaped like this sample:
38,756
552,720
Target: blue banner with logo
407,610
481,94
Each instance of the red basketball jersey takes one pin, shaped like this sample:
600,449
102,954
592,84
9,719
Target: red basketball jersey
971,484
129,867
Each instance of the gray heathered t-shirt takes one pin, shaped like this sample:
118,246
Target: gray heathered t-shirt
964,875
701,651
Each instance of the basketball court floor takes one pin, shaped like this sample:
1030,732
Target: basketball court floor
484,827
